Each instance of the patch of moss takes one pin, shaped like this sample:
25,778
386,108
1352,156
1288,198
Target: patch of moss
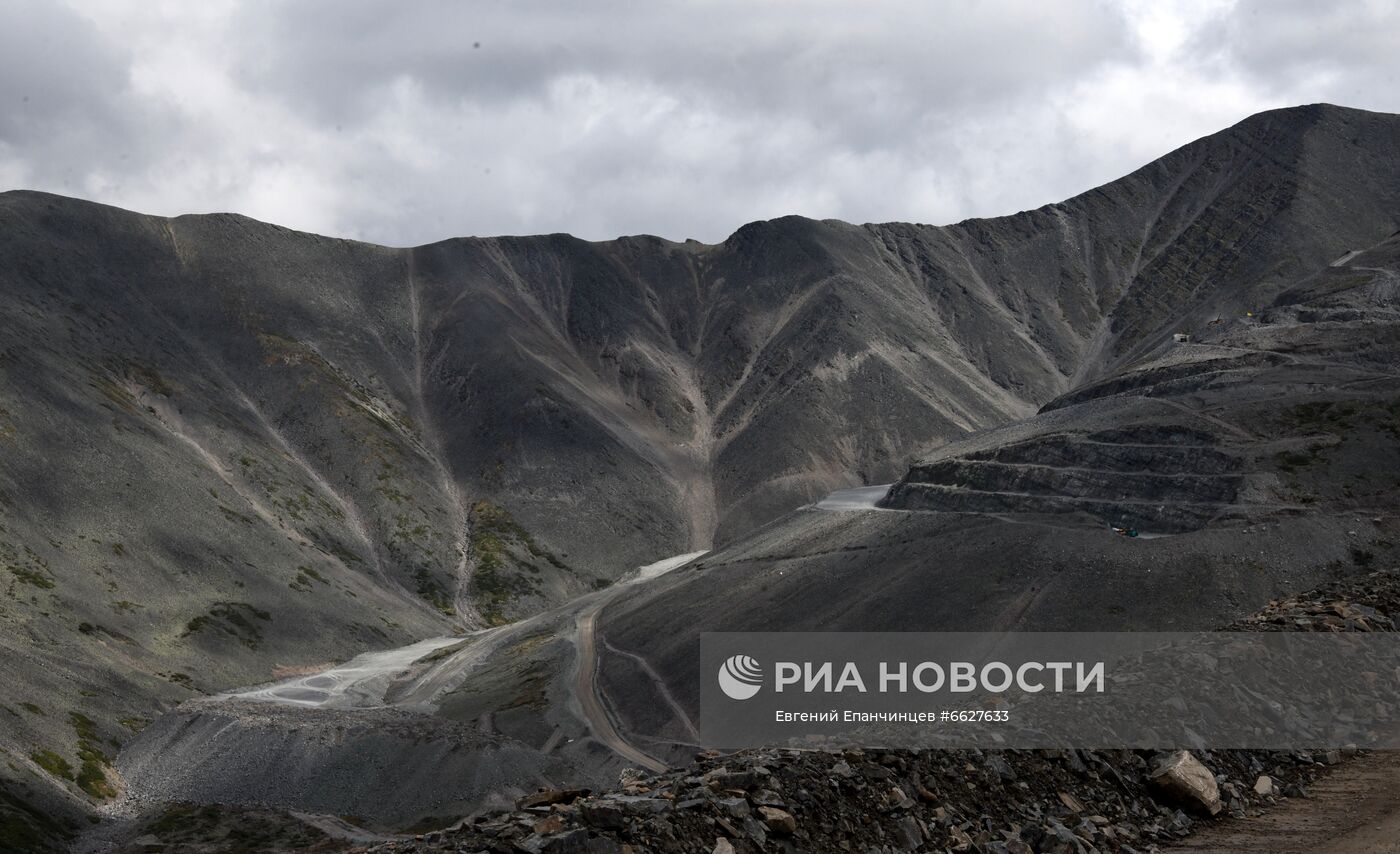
32,577
335,548
54,764
92,773
231,618
292,353
92,779
147,376
181,679
113,391
431,591
27,566
234,516
83,726
501,549
134,724
31,708
395,495
306,575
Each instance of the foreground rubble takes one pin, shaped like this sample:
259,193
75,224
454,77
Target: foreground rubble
1365,604
1015,802
1000,802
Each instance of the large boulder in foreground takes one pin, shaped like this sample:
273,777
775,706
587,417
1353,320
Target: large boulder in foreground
1183,780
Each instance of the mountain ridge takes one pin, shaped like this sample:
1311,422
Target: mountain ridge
1318,108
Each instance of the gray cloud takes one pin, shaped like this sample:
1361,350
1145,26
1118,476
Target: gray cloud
405,123
1344,52
61,91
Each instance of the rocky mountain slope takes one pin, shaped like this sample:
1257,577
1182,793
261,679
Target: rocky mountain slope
1254,458
232,452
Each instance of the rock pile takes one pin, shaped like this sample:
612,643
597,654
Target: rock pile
1352,605
1007,802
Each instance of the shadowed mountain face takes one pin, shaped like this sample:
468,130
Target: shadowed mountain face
229,450
1257,458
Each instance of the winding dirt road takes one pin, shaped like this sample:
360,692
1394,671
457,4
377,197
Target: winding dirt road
590,701
586,678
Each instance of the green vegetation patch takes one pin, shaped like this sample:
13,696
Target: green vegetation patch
234,516
146,376
504,554
305,576
237,619
113,391
181,679
54,764
25,575
26,566
431,591
114,381
92,773
286,351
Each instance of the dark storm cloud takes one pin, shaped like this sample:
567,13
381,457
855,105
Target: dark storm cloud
408,122
62,94
854,67
1346,52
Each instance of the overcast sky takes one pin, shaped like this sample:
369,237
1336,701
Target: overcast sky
407,122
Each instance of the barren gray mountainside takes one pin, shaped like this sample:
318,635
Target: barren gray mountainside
232,452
